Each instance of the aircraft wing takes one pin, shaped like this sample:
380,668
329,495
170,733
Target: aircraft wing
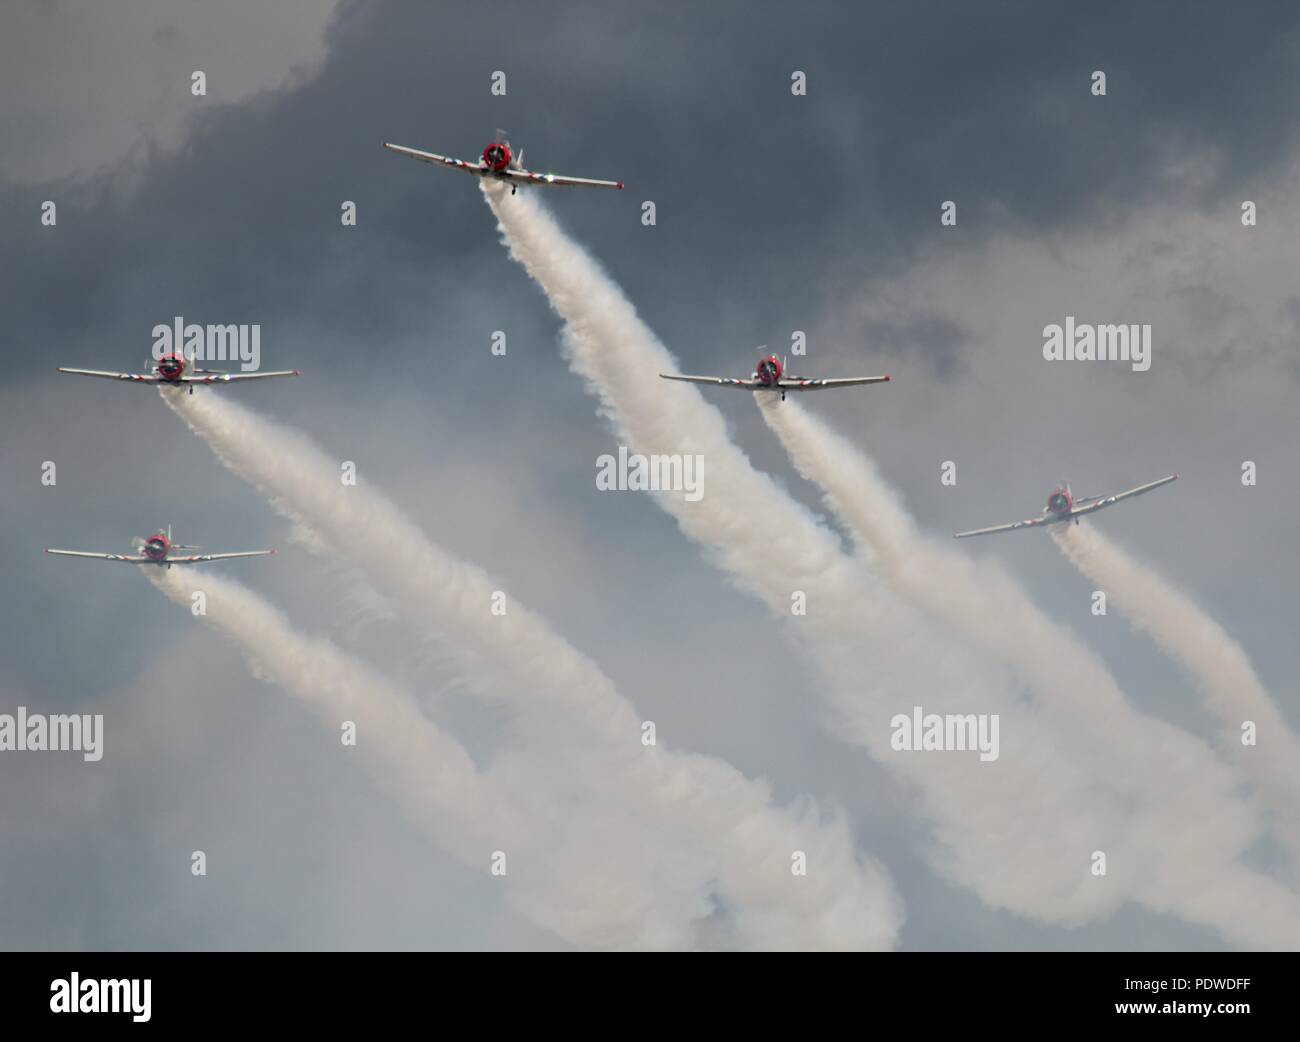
1106,501
433,157
101,557
225,378
797,384
142,378
199,558
1033,522
527,177
717,381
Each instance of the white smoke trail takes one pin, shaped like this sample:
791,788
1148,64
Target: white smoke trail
988,607
981,601
1231,690
580,739
586,900
1019,832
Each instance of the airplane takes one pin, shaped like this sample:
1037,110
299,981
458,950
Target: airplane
1063,507
157,549
175,370
498,163
770,375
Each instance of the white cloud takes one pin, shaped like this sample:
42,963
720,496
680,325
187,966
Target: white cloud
101,84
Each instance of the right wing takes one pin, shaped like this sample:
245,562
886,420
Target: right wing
100,557
717,381
1033,522
433,157
151,378
797,383
1100,503
198,558
527,177
225,378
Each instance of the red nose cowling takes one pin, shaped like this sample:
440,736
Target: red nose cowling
769,370
497,155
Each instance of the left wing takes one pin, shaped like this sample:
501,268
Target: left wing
796,384
718,381
1106,501
526,177
1033,522
142,378
100,557
225,378
433,157
197,558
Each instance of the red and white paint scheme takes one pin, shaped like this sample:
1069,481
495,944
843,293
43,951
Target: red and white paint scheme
1063,506
178,371
770,375
499,163
159,549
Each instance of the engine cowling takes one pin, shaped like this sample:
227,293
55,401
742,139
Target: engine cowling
155,547
768,371
1059,502
496,156
171,367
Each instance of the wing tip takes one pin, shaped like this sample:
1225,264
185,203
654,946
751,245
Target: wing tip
619,184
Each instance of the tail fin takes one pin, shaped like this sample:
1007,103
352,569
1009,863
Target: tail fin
180,546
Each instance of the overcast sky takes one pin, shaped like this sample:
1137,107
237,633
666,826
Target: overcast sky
774,213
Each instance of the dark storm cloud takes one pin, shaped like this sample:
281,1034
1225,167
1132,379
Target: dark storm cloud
762,196
935,339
